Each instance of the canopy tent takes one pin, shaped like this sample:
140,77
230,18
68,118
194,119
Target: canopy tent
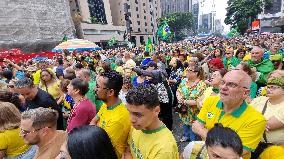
76,44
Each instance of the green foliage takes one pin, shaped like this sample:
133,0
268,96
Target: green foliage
239,12
94,20
178,22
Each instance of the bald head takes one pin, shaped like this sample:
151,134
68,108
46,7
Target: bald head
258,49
241,77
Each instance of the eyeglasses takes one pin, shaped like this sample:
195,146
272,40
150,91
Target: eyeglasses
10,86
229,84
191,70
273,87
25,132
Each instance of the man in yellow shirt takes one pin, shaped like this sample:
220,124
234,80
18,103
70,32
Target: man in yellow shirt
231,110
149,138
113,116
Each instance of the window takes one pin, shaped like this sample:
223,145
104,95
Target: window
145,17
144,4
137,9
141,40
136,1
139,30
146,30
137,15
146,24
138,22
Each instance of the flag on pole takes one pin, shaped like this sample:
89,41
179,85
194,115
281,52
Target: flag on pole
112,41
149,45
233,33
64,38
164,31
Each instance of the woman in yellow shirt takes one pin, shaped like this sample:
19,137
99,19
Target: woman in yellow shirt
11,144
50,83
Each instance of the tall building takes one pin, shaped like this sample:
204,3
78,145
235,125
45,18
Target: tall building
207,16
195,12
172,6
96,20
272,19
143,16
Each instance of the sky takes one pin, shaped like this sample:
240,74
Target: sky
220,6
206,6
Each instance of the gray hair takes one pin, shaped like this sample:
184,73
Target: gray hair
25,82
86,72
41,117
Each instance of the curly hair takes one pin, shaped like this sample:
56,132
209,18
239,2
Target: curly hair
11,98
146,95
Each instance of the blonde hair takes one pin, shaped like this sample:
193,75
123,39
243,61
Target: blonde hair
10,116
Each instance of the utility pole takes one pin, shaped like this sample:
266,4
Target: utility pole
127,15
154,20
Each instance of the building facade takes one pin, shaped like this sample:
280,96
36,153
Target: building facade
103,19
94,20
172,6
272,19
143,17
195,12
207,16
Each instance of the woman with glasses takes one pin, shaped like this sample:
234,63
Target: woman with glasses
272,107
12,146
189,90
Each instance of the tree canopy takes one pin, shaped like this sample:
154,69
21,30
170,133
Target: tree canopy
179,23
240,11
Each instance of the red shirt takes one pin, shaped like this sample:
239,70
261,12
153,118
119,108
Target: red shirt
81,114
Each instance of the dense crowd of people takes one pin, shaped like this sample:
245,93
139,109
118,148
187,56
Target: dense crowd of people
119,103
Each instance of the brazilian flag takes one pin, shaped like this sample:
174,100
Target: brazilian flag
112,42
149,45
64,38
164,31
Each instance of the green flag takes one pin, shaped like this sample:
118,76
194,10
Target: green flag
64,38
164,31
233,33
149,45
112,41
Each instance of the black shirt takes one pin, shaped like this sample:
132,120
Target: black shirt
45,100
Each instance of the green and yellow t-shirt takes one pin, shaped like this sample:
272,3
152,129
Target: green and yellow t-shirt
248,123
159,144
115,120
12,143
